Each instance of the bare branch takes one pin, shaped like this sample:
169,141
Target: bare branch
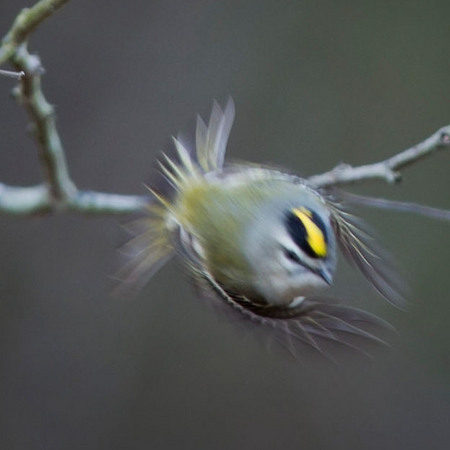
51,152
59,192
394,205
25,23
90,202
35,200
12,74
23,200
389,169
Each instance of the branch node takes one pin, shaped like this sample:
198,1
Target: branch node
444,139
396,177
342,166
17,94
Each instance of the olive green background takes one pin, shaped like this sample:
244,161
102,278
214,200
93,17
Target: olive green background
315,83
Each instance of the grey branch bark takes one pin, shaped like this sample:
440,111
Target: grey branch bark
12,74
59,193
387,170
35,200
24,24
51,153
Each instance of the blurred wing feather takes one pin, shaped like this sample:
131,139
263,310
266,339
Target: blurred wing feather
361,250
315,321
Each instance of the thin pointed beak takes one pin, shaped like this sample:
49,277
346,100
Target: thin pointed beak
326,275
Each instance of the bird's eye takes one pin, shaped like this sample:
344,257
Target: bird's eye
291,255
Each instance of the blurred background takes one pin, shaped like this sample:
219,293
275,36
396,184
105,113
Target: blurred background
315,83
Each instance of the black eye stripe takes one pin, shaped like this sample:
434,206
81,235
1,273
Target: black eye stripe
297,231
291,255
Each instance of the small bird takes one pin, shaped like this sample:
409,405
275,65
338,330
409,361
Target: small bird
259,241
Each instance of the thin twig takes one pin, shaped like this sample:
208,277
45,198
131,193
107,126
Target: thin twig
35,201
389,169
59,192
12,74
51,151
395,205
24,24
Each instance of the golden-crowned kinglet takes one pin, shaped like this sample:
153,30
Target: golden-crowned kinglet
263,242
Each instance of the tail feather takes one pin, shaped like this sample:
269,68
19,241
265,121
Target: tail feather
148,250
